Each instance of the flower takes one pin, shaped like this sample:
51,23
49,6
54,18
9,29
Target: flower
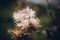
23,19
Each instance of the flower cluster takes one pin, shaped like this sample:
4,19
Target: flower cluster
25,19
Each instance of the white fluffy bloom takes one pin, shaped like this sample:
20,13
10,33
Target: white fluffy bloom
24,20
25,16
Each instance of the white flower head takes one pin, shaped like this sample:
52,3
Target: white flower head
24,19
25,16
